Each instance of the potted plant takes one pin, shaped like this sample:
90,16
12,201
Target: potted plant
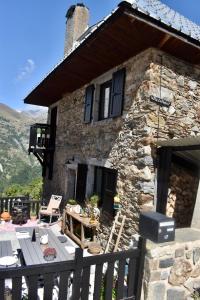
5,216
33,216
49,254
117,204
94,200
71,202
73,206
94,211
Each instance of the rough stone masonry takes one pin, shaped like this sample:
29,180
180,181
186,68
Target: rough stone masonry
172,270
126,143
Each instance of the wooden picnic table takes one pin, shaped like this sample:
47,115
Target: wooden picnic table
68,227
33,251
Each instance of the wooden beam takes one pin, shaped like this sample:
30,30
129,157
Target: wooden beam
39,158
185,148
185,163
164,40
130,16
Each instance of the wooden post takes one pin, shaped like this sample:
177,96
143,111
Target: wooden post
71,228
29,208
140,270
63,221
37,208
76,289
33,239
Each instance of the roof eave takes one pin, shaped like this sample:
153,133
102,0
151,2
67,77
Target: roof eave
159,25
39,93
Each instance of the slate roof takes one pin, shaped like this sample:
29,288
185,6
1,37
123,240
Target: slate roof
163,13
155,9
158,11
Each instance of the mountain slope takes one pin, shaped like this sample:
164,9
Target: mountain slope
16,166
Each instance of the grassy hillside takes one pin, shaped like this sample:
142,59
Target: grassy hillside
16,166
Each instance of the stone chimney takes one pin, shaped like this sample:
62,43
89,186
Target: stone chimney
76,24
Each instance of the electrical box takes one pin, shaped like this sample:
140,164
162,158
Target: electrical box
156,227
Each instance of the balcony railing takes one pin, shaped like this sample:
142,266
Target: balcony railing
39,137
7,204
42,145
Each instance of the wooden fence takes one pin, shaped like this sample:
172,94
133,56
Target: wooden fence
7,203
109,276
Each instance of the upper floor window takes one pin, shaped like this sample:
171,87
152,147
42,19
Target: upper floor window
111,98
105,96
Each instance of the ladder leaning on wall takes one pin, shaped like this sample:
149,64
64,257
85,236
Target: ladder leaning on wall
116,231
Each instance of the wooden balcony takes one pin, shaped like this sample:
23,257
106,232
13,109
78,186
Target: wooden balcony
42,145
39,137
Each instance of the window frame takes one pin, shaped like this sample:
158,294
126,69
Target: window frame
103,87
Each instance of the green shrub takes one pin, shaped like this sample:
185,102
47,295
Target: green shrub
94,199
72,202
32,190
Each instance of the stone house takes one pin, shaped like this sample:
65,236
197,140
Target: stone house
124,114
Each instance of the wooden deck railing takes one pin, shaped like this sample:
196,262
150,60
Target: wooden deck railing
7,203
39,137
109,276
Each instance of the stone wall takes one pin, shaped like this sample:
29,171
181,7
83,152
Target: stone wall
172,270
183,187
125,143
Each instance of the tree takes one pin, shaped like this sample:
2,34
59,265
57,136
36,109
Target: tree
13,190
32,190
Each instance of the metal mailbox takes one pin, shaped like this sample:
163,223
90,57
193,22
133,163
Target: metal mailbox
156,227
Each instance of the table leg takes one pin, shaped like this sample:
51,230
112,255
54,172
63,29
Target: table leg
82,236
63,221
71,224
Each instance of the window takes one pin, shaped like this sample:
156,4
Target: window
111,98
104,103
105,186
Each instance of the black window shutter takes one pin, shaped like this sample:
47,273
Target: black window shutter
117,97
81,182
109,190
98,183
89,95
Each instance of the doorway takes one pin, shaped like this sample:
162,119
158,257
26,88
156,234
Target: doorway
178,180
182,192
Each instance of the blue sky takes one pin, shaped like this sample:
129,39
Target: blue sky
32,39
